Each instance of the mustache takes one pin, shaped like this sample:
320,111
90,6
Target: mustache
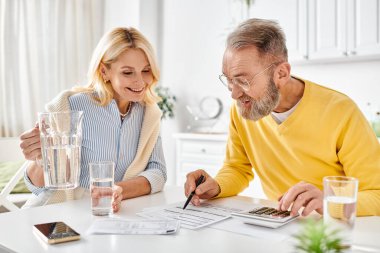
245,98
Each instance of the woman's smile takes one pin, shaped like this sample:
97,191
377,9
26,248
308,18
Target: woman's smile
136,91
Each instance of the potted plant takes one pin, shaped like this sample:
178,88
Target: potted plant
315,237
167,101
249,3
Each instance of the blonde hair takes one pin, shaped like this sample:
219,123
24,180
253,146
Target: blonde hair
109,48
266,35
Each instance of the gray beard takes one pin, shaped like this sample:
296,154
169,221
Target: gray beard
262,106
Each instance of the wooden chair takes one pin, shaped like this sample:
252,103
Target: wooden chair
4,201
10,151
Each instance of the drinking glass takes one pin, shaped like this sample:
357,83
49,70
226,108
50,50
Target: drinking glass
101,184
61,139
339,204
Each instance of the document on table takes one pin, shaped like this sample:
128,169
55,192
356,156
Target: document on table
193,217
275,235
130,227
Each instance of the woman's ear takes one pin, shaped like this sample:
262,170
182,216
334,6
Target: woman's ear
103,72
282,74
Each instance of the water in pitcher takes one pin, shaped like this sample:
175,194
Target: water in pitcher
101,196
61,139
61,163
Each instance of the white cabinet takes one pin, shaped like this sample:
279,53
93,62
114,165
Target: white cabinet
326,29
198,151
343,29
205,151
363,27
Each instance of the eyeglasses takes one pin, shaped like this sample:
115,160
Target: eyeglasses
241,81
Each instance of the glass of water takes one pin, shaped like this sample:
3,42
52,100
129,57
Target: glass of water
339,204
101,185
61,139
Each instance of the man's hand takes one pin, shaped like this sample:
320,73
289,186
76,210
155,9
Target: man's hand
31,144
208,189
302,195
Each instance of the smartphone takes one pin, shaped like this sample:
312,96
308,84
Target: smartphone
55,232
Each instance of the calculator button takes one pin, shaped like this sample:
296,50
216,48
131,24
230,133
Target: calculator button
261,210
270,211
287,213
257,210
275,213
279,213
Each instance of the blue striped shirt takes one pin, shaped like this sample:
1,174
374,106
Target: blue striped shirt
107,138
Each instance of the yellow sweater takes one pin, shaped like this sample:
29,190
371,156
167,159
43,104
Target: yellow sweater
326,135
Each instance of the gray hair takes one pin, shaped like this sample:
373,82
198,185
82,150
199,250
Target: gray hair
266,35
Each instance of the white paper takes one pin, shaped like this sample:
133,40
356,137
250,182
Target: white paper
238,227
193,217
128,227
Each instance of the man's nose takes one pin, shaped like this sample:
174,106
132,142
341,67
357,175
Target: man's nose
236,92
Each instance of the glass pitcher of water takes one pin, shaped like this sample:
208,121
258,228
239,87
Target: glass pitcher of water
61,139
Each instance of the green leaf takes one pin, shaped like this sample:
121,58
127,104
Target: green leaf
167,102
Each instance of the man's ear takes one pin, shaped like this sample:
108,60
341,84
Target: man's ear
282,74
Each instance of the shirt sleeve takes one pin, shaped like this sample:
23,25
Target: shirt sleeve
359,153
34,189
155,171
236,172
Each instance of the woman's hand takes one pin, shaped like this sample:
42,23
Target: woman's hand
31,144
31,147
117,197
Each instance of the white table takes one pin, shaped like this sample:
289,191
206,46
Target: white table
16,230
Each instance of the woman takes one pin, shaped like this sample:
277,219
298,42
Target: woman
121,119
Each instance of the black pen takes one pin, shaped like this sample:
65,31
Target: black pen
199,181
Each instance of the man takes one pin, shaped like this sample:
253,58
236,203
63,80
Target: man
290,131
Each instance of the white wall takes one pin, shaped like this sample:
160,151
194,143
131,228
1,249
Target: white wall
359,80
141,14
121,13
192,47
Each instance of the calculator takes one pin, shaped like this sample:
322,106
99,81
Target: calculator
265,216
